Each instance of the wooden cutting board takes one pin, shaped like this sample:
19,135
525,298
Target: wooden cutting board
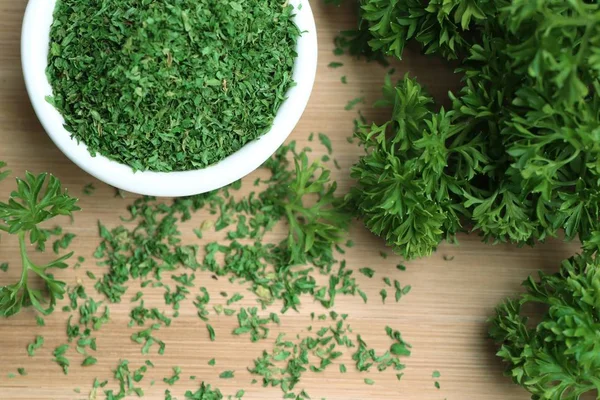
444,316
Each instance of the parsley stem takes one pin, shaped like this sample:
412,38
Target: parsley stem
27,264
24,258
584,42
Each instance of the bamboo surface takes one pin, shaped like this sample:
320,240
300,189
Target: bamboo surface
443,317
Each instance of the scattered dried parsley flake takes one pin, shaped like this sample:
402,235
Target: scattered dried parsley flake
164,87
400,291
265,264
211,332
88,361
353,103
127,381
157,234
250,322
60,358
63,242
89,189
383,294
325,141
368,272
284,365
435,375
174,378
235,298
35,345
204,393
226,375
366,358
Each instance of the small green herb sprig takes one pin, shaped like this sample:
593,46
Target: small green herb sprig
408,192
312,226
37,199
560,357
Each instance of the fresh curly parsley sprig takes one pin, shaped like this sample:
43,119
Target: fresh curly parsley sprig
527,123
560,357
418,167
446,27
313,226
305,197
36,199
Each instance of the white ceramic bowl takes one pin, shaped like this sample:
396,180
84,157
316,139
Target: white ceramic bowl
35,39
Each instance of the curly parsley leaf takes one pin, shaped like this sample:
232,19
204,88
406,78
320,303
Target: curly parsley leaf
559,355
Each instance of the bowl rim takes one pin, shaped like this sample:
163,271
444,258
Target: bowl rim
35,39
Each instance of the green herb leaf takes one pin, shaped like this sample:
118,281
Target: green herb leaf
89,189
36,200
63,242
325,141
37,344
226,375
89,360
368,272
211,332
383,294
551,355
176,376
353,103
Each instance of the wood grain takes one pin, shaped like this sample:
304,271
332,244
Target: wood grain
444,317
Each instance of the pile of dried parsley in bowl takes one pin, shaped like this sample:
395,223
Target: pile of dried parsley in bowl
170,85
